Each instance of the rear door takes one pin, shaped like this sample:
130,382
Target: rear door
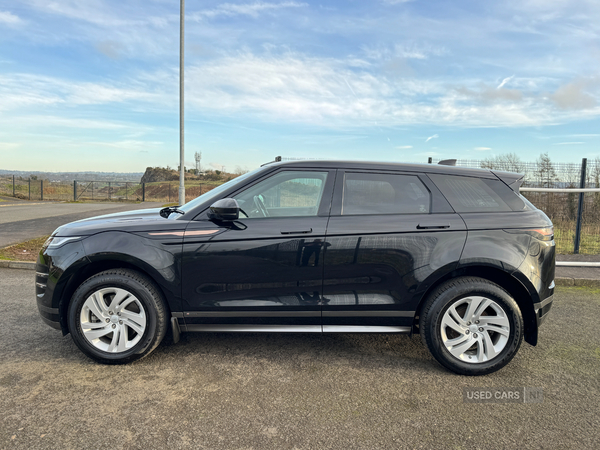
388,233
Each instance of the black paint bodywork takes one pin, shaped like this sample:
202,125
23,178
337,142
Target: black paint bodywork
308,273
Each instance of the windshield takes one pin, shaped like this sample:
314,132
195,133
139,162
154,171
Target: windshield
215,193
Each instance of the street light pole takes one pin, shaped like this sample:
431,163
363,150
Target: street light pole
181,148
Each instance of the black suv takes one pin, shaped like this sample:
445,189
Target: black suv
454,254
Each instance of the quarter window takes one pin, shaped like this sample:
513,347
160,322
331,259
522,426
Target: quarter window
470,194
374,193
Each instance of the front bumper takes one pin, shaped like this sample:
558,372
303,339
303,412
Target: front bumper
542,309
43,296
50,279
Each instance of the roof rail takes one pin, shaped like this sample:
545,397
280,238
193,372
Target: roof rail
277,159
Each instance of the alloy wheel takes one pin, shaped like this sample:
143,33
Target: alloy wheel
113,320
475,329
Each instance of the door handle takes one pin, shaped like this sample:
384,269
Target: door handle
432,226
307,231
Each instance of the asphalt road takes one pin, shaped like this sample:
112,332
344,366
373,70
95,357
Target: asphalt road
243,391
21,221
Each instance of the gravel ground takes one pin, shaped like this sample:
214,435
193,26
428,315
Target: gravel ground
255,391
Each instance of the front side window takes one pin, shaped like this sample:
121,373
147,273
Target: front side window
374,193
214,194
285,194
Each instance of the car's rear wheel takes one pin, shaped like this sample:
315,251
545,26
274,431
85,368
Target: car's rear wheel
471,326
117,316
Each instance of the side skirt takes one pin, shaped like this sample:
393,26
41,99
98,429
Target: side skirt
237,328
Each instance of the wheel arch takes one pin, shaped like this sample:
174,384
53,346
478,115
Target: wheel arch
64,291
519,292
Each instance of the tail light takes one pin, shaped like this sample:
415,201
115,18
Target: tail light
541,234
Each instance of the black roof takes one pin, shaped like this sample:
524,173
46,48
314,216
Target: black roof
383,166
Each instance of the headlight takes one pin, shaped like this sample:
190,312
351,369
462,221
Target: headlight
57,241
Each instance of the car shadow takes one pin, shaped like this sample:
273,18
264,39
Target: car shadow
357,350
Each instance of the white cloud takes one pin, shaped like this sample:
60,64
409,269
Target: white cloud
305,89
482,149
332,92
94,93
407,50
577,95
20,91
569,143
9,18
244,9
396,2
292,88
435,136
506,80
92,11
404,147
61,122
486,94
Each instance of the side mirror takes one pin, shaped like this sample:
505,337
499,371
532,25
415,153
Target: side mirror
224,210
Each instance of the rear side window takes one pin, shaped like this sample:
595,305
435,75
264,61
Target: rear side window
469,194
374,193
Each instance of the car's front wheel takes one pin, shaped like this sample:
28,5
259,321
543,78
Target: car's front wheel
117,316
471,326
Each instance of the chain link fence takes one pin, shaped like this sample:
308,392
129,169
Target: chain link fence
542,173
561,207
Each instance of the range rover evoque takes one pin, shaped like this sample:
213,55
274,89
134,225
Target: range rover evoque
456,255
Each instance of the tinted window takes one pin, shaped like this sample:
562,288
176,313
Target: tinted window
468,194
286,194
374,193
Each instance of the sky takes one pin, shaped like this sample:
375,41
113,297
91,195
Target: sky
93,85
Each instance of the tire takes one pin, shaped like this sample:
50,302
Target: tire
117,316
471,310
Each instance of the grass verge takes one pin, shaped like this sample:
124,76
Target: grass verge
24,251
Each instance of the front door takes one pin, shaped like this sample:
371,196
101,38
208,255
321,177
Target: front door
263,272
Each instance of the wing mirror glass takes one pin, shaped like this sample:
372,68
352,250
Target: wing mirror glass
224,210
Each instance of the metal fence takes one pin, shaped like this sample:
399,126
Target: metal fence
107,191
565,209
543,173
33,189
